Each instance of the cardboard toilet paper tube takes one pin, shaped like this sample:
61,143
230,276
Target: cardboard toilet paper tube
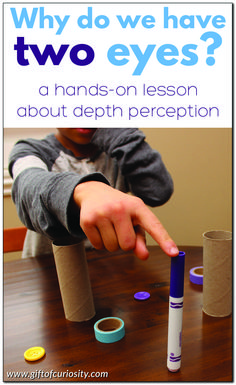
217,278
74,282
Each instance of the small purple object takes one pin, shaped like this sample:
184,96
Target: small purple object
196,275
142,295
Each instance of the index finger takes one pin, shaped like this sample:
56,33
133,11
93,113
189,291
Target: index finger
150,223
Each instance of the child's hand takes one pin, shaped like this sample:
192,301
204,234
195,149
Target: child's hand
113,219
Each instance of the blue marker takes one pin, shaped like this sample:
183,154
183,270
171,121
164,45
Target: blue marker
175,312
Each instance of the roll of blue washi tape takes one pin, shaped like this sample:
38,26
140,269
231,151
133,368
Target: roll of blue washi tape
109,330
196,275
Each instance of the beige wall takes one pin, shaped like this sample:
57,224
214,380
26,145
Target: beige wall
200,162
10,219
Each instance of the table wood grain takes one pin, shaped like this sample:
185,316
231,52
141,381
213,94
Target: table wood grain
33,316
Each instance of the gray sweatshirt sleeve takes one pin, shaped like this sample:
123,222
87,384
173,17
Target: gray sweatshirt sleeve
142,166
43,198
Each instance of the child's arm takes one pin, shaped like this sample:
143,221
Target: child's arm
44,198
114,220
141,166
45,204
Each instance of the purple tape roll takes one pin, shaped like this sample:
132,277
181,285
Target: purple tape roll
196,275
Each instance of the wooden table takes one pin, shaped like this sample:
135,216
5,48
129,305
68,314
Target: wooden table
33,316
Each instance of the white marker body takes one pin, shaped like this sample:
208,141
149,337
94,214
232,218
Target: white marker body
174,334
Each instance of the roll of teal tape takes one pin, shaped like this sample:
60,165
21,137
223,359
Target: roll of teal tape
109,330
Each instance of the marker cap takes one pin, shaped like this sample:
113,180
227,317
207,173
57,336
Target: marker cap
177,275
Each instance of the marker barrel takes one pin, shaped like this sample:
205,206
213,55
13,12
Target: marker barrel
174,334
175,312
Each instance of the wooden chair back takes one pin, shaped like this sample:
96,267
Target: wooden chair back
13,239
